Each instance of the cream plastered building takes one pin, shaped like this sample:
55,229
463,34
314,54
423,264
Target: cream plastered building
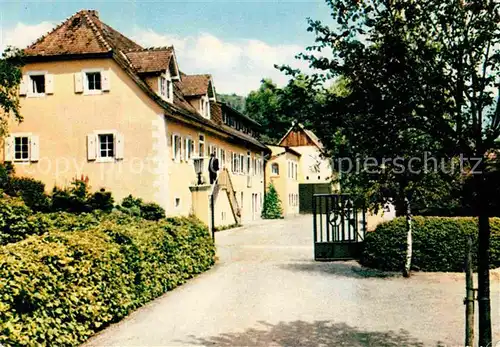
98,105
314,166
283,172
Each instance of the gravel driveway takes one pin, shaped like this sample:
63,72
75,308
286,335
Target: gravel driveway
267,291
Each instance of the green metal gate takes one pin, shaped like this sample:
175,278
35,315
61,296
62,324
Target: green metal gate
339,227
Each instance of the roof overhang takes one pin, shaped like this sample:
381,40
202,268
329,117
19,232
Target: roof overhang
62,57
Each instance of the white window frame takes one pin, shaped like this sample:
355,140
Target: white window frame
201,153
189,144
30,93
169,87
20,161
273,172
86,90
176,155
98,158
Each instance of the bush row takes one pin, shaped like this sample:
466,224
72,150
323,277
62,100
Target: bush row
59,288
439,244
76,198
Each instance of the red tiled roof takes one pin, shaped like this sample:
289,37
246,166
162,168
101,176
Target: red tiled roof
194,85
151,60
82,33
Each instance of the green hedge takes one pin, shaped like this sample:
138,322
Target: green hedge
439,244
59,288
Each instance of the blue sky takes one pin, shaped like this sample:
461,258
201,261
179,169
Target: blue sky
238,42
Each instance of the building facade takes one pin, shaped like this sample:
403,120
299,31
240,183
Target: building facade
99,105
283,172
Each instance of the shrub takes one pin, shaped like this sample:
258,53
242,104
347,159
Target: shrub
77,198
59,288
439,244
71,199
101,200
152,211
31,191
16,221
272,204
130,201
136,207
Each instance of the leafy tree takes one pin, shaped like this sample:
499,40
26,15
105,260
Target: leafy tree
431,64
235,101
263,105
10,77
272,204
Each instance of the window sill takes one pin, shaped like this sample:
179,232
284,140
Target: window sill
35,95
92,92
105,160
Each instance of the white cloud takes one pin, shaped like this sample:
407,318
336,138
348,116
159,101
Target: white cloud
22,35
237,66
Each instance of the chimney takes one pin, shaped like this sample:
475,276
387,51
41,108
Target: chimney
95,13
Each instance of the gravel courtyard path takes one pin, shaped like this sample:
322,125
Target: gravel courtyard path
267,291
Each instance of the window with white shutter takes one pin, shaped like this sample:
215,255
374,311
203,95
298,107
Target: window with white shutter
176,148
78,79
37,84
105,146
92,81
22,147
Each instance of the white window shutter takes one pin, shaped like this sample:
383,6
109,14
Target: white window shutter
23,87
91,146
106,83
173,147
49,84
34,148
9,148
187,147
79,82
120,146
181,150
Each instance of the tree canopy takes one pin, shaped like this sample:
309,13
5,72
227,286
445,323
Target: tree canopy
10,77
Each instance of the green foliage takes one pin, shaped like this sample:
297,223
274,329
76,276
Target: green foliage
31,191
16,221
439,244
263,105
235,101
152,211
71,199
77,198
136,207
10,78
59,288
272,204
101,200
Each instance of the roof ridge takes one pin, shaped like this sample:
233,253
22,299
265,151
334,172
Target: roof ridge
95,29
149,49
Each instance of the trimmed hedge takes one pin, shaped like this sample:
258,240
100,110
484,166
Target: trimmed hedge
439,244
61,287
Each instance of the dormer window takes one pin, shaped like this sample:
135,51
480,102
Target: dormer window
166,88
205,107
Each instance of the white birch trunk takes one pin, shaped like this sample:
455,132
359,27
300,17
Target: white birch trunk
406,271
